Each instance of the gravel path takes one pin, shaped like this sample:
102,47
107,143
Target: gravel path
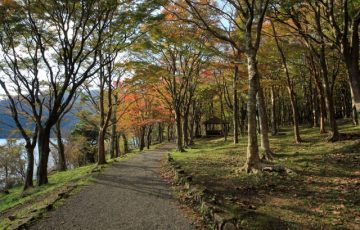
129,195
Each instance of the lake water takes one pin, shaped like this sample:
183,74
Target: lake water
36,154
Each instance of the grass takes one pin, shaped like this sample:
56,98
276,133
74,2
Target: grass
56,180
30,204
323,192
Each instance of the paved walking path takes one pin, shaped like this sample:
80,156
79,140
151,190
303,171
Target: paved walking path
129,195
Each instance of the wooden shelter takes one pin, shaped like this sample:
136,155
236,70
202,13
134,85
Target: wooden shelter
216,127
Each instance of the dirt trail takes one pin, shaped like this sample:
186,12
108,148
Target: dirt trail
129,195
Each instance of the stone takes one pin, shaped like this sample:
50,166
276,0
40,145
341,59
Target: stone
198,198
228,226
205,209
72,186
49,207
218,218
64,194
95,170
170,158
189,178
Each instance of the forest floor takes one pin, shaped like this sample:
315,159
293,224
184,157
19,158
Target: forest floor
128,195
323,192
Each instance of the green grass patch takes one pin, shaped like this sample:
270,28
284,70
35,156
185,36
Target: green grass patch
323,191
57,179
23,204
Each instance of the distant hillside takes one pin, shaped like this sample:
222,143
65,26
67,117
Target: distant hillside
7,124
8,127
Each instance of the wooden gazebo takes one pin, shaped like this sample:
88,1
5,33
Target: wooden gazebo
216,127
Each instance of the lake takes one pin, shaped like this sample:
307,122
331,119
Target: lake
36,153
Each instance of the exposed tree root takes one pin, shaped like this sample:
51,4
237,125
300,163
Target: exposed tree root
299,141
250,169
181,150
276,168
261,167
268,155
333,137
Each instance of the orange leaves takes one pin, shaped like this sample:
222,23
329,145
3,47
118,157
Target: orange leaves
142,106
6,2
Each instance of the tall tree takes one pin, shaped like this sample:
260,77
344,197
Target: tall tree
290,86
344,19
243,27
177,61
21,83
306,19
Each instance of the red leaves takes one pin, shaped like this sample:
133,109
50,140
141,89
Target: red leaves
142,106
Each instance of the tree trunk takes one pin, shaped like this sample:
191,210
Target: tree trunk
197,123
113,136
7,184
329,99
290,87
142,138
179,144
265,143
126,145
192,123
274,127
252,155
117,146
148,137
160,133
224,126
44,150
239,116
105,80
331,116
101,147
322,107
30,168
295,116
243,116
315,108
353,72
185,130
281,110
168,133
354,113
61,147
236,105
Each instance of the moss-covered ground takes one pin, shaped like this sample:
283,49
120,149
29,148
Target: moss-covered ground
323,192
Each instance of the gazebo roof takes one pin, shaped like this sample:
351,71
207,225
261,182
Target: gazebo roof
215,120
